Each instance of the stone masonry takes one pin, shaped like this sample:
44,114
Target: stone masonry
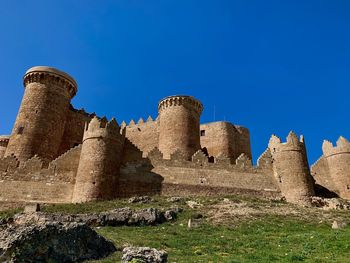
59,154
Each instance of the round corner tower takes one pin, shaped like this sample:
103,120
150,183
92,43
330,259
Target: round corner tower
338,160
99,164
40,122
179,125
291,169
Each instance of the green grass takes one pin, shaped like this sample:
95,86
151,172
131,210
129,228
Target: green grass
303,235
270,239
10,212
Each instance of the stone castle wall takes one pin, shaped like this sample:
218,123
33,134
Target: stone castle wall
74,129
59,154
178,176
144,135
225,139
221,139
33,181
154,175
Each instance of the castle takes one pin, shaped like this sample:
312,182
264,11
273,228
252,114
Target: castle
59,154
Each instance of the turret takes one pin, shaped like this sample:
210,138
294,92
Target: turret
40,122
179,125
4,140
291,169
98,170
338,160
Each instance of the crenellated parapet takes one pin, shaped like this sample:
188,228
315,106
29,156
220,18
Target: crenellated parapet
335,165
180,100
342,146
140,123
102,129
291,168
4,138
293,143
49,75
83,112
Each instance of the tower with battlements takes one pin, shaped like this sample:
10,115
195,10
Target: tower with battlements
41,119
291,168
338,165
179,122
99,164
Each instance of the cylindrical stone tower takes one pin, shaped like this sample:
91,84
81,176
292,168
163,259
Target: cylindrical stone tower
4,140
179,129
338,160
291,169
41,118
98,170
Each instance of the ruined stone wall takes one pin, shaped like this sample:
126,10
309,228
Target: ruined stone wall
4,140
336,167
40,122
144,135
98,171
291,169
224,139
179,125
74,129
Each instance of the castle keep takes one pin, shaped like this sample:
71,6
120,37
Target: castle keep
58,154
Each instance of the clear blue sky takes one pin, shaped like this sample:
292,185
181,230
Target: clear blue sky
272,66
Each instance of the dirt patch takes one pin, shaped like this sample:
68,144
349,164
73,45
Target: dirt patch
234,211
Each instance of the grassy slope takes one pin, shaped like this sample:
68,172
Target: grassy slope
304,235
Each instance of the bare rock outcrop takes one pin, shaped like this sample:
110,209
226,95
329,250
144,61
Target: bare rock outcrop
52,242
144,255
330,203
117,217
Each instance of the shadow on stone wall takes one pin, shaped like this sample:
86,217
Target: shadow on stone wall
137,178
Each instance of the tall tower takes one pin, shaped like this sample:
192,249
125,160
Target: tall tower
41,118
98,170
179,125
338,160
291,168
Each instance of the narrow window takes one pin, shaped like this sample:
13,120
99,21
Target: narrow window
20,130
202,132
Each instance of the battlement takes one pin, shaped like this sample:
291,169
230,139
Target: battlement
342,146
141,122
101,128
4,139
178,100
42,73
82,112
293,143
